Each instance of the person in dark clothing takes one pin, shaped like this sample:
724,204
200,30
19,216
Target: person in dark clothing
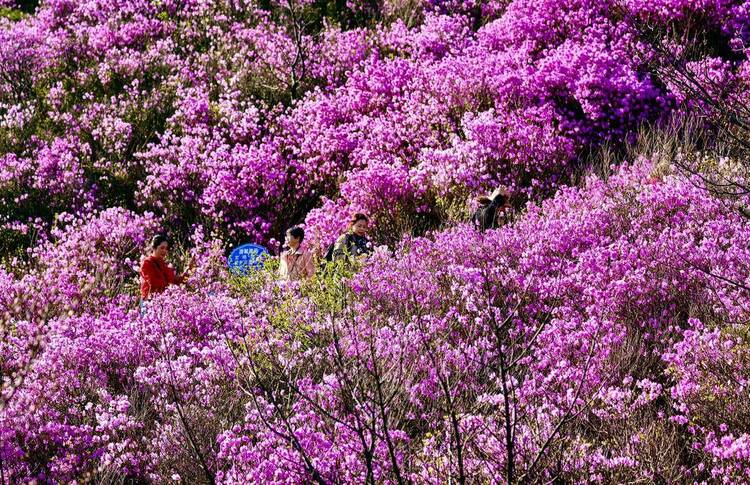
354,243
493,211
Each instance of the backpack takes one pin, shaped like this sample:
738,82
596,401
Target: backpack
329,251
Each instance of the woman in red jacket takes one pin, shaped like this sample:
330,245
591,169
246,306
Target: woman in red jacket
156,275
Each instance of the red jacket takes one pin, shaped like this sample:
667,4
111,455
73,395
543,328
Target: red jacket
156,276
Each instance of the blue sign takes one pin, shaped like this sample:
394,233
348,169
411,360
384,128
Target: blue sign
247,257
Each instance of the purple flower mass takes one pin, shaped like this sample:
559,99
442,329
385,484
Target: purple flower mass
600,336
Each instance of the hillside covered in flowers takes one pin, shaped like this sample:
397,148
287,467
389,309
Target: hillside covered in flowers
601,336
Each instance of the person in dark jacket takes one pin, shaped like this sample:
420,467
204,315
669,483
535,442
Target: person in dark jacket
354,243
493,211
156,274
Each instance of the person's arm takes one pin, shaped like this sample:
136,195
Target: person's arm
368,249
309,265
183,277
283,267
173,278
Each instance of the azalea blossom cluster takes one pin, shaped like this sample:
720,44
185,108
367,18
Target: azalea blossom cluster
242,118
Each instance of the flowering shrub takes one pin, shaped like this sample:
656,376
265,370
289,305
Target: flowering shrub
570,329
535,350
706,393
242,118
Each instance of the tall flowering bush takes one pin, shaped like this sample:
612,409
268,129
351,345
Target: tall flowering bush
242,118
571,345
541,350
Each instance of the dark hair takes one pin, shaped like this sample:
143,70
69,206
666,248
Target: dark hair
296,232
157,240
501,199
358,216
